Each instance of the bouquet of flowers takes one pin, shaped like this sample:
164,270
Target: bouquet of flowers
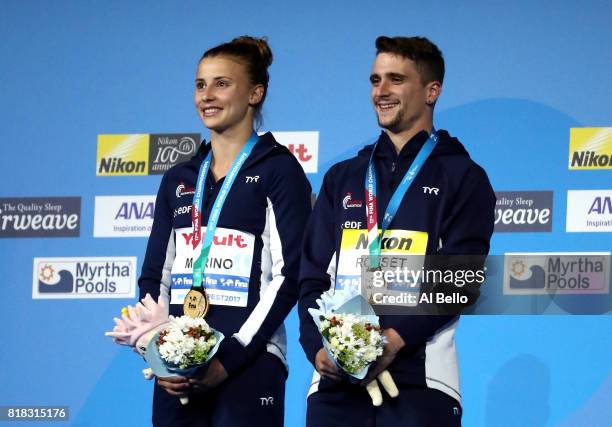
353,341
171,346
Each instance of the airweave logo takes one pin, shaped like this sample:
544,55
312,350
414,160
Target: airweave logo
124,216
40,216
590,148
517,211
589,210
558,273
75,278
167,150
143,154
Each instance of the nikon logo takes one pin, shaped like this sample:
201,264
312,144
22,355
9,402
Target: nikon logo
116,165
590,148
122,155
388,243
590,159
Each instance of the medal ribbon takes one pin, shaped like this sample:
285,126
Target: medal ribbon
374,239
200,264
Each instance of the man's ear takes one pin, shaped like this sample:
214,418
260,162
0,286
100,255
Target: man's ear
434,89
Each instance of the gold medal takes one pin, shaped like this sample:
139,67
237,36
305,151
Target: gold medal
196,303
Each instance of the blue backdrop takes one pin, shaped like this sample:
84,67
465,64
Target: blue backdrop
520,74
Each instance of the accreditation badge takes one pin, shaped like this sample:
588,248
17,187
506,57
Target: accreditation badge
354,272
225,280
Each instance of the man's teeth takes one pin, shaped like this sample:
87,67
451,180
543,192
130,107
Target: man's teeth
386,106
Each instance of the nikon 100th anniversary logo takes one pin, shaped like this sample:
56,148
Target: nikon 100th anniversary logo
143,154
590,148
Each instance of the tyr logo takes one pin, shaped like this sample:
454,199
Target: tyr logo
267,401
252,178
431,190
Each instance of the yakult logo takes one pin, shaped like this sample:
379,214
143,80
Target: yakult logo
227,240
304,146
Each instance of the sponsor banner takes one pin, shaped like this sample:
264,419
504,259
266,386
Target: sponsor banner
167,150
143,154
84,278
578,273
589,210
123,216
40,216
228,267
522,211
304,146
590,148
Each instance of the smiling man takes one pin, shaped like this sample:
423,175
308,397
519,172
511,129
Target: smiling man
414,184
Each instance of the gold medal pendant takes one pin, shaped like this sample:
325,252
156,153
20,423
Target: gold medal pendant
196,303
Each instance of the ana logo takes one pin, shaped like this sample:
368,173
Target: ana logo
348,202
122,154
431,190
135,210
590,148
601,206
168,150
124,216
304,146
181,191
94,277
589,211
252,178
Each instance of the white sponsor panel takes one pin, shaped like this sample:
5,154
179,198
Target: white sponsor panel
228,268
304,146
589,210
123,216
557,273
84,278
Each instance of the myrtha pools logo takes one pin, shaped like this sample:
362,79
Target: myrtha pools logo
75,278
556,273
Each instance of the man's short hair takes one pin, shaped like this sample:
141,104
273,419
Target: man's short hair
426,55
